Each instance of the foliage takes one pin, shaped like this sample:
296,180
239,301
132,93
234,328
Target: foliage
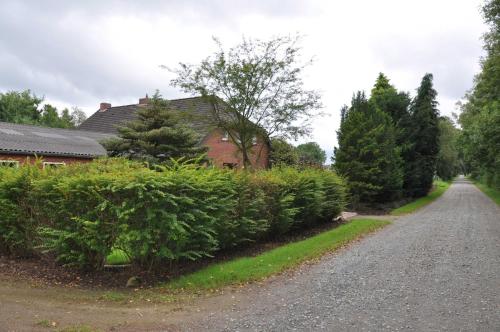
367,154
493,193
439,188
421,158
20,107
83,212
256,88
385,97
17,221
26,108
282,153
157,135
311,154
448,162
480,117
277,260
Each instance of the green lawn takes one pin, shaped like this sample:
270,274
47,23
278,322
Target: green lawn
439,188
494,194
277,260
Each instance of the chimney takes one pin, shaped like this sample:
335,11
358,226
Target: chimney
144,101
104,106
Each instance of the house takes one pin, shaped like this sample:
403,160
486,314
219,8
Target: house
19,143
221,150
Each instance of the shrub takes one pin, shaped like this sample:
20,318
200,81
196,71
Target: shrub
17,222
81,213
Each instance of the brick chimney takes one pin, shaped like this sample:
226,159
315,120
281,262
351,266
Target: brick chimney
144,101
104,106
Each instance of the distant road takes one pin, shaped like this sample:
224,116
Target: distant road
435,270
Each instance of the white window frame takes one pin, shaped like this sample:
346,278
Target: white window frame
55,163
15,163
225,136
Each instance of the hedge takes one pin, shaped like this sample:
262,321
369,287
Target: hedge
81,213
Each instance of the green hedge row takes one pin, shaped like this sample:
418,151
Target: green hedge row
81,213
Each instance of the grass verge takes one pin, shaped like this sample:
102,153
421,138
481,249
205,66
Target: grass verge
439,188
247,269
494,194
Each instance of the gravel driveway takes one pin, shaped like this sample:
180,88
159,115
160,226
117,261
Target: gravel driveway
435,270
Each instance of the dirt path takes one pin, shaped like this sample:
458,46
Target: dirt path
437,269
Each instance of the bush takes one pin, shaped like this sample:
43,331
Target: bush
17,222
81,213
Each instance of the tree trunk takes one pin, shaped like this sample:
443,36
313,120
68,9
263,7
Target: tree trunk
246,160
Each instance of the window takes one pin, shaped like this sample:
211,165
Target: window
225,136
254,140
52,164
9,163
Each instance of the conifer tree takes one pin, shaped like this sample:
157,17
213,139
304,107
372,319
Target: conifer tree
367,154
421,158
157,135
385,97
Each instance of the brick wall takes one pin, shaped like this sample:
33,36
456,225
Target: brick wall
222,152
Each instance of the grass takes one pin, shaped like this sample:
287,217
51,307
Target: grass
114,296
248,269
44,323
439,188
78,328
494,194
117,257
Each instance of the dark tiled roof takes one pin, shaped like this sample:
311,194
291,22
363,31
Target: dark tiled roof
24,139
197,113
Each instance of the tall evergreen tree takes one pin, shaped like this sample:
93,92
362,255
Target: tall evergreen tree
395,103
420,165
157,135
367,154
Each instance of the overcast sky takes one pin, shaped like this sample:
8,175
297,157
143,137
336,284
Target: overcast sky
81,53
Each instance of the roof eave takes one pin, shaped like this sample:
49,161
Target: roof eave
48,153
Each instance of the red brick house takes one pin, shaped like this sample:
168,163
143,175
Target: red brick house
221,150
19,143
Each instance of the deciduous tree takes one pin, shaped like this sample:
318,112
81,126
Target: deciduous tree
256,88
283,153
448,163
480,117
311,154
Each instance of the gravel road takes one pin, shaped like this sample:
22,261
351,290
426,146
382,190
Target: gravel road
435,270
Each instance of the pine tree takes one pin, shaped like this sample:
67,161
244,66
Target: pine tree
367,154
421,158
157,135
